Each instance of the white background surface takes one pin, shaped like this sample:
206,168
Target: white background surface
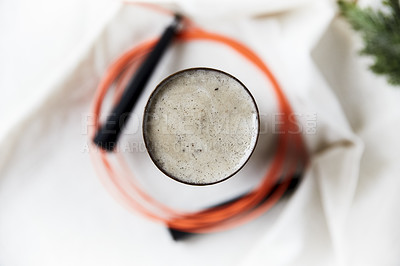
53,208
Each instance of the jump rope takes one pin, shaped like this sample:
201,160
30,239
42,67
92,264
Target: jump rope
283,175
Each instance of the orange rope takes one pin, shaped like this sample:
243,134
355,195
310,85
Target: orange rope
215,219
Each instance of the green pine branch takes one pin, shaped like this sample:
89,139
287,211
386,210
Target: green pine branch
380,31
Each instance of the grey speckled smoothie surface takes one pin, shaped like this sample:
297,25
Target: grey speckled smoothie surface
200,126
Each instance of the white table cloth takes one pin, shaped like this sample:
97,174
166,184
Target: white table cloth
55,211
